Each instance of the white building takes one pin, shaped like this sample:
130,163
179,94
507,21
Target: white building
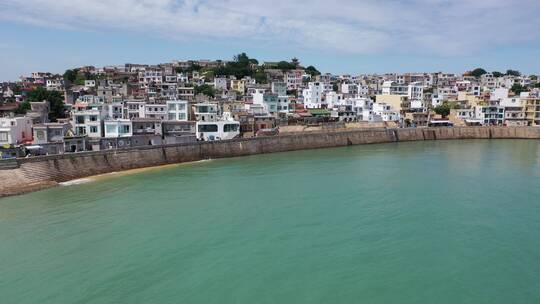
333,99
349,89
268,100
206,111
415,91
15,130
294,79
385,112
222,129
313,95
88,120
134,109
155,110
118,128
394,88
220,83
89,83
177,110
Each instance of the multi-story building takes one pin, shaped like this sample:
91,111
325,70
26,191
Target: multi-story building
532,110
269,101
155,110
206,111
294,79
394,88
15,130
313,95
88,120
177,110
115,128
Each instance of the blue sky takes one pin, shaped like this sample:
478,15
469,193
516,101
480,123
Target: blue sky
363,36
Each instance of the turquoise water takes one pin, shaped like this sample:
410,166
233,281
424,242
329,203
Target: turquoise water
424,222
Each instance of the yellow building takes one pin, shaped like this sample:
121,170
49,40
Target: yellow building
471,99
238,85
532,110
398,103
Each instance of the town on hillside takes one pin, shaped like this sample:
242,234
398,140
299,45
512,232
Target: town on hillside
113,107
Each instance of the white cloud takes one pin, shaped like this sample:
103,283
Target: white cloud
440,27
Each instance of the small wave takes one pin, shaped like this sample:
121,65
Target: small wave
76,182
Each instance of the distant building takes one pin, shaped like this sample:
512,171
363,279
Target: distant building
15,130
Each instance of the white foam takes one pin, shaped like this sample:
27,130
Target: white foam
76,182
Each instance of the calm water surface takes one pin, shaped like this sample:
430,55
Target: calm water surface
424,222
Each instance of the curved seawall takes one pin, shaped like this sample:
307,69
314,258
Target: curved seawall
36,173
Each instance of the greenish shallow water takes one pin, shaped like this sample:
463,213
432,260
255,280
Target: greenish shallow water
424,222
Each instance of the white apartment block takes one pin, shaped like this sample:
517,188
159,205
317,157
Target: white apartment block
15,130
384,112
116,128
313,95
177,110
155,110
394,88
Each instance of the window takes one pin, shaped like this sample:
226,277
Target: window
111,129
93,129
230,128
3,136
208,128
125,129
172,116
181,116
40,134
93,118
172,107
80,119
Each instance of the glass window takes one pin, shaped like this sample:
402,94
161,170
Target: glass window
3,136
230,128
111,129
208,128
93,129
172,107
125,129
172,116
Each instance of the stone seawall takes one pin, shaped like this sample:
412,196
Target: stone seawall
31,174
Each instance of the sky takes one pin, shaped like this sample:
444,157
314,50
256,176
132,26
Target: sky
340,36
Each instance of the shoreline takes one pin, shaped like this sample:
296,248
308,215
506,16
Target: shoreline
33,174
104,176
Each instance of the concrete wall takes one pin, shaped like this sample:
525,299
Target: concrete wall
30,174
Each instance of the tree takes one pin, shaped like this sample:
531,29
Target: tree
70,75
206,90
260,76
408,122
513,73
296,62
497,74
311,70
285,66
443,110
55,99
23,108
478,72
517,89
240,67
